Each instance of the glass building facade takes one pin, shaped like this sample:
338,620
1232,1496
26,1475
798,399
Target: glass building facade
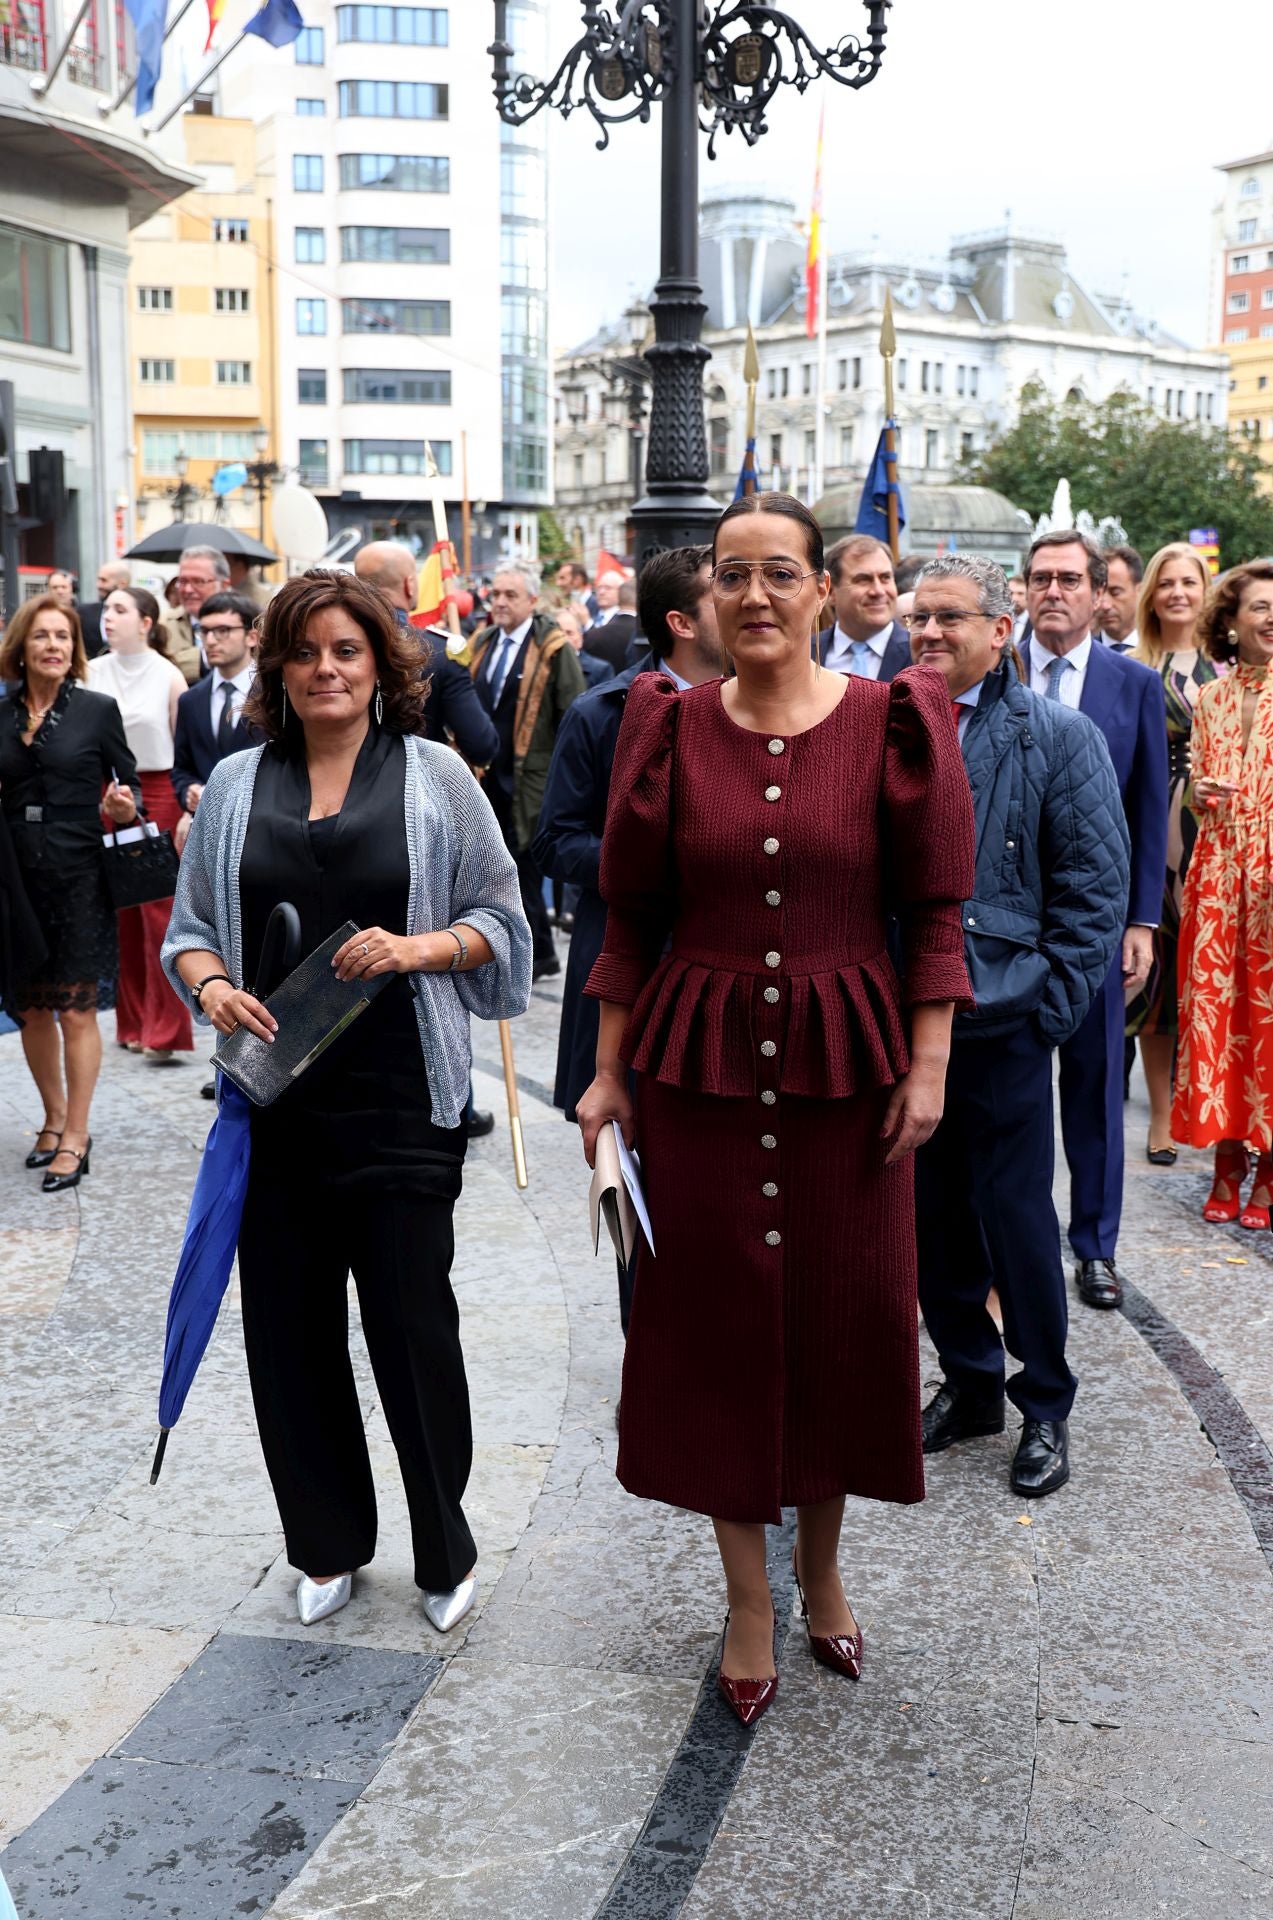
524,275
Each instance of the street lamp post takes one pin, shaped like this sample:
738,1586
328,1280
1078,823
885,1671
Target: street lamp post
183,494
725,59
261,471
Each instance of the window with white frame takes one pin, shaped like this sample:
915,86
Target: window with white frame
235,231
307,172
1239,302
1235,335
311,316
311,246
157,373
1246,229
234,373
311,108
232,299
1241,263
154,299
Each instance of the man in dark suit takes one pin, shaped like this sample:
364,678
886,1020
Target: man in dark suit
453,712
1117,608
210,721
111,574
615,621
1065,577
866,638
678,616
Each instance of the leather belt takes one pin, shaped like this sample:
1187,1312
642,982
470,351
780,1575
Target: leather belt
45,816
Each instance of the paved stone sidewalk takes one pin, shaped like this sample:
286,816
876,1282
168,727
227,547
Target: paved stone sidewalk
1065,1712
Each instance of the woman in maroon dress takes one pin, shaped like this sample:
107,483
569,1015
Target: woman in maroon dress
763,830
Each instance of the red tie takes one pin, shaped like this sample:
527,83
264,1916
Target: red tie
956,707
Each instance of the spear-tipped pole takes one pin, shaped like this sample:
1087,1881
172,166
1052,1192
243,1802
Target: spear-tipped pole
749,478
888,347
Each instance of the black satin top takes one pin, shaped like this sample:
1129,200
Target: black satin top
371,1083
78,749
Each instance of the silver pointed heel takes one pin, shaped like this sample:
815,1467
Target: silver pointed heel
315,1599
446,1610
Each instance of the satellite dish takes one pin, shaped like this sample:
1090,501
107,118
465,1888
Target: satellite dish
300,525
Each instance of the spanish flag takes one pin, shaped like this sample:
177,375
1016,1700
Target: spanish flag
437,570
813,258
215,9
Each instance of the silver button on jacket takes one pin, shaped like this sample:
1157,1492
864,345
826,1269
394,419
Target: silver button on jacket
777,746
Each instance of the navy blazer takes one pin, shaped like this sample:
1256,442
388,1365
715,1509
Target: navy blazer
194,744
897,654
1125,699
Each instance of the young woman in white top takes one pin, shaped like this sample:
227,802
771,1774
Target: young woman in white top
147,686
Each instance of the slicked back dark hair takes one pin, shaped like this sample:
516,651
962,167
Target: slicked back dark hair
1097,571
1130,559
231,602
790,508
671,582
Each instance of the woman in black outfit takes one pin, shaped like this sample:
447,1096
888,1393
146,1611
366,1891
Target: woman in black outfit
358,1166
63,761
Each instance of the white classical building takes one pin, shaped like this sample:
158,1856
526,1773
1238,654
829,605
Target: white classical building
411,285
1001,311
72,189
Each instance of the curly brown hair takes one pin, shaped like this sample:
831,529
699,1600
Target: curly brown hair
12,664
284,625
1220,612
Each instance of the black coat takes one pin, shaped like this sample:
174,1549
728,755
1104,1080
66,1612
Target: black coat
567,846
610,642
194,743
453,708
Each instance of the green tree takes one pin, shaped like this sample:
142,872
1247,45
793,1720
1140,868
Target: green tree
553,544
1159,477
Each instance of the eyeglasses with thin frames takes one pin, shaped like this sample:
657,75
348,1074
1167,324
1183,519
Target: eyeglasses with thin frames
1068,582
780,581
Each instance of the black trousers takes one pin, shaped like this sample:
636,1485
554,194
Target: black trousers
529,877
984,1217
298,1243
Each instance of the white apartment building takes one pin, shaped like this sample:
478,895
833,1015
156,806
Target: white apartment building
411,268
1001,311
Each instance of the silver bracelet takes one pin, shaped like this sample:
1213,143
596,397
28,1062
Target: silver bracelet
461,953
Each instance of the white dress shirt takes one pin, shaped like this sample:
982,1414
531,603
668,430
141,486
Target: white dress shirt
1073,673
862,658
504,652
234,687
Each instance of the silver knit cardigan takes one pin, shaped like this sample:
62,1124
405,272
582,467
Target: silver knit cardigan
460,870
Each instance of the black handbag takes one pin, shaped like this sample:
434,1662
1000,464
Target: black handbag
313,1008
141,869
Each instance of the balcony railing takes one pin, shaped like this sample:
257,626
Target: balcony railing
86,68
22,46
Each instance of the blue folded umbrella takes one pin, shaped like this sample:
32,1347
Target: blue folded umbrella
207,1255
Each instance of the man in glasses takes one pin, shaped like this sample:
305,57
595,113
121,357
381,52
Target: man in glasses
866,637
201,572
1045,920
1066,576
210,721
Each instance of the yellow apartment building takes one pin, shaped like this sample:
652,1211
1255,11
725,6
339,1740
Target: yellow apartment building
201,294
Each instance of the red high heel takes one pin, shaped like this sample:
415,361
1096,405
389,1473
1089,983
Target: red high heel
748,1698
1231,1171
842,1652
1255,1214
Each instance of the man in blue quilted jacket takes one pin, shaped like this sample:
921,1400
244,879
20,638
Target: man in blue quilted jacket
1040,933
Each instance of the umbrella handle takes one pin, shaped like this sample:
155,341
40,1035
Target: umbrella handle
160,1451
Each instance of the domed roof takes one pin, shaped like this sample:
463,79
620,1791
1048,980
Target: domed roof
934,513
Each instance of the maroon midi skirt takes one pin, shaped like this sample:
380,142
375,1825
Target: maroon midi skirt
759,1373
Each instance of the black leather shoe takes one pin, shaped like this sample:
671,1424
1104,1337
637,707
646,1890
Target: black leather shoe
1041,1463
479,1123
1099,1282
545,969
953,1414
208,1091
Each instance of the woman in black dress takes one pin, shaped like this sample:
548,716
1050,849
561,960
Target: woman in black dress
357,1167
63,761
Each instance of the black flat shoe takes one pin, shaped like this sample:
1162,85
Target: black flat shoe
545,969
208,1091
59,1182
954,1414
40,1156
1099,1283
1042,1460
479,1124
1161,1156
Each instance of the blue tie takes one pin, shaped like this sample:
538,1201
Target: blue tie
860,664
1055,668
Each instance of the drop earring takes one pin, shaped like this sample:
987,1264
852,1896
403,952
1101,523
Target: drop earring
283,684
380,706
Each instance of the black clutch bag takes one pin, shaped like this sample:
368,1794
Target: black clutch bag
312,1008
141,865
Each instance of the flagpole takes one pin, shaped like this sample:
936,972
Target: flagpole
888,347
199,84
107,107
820,423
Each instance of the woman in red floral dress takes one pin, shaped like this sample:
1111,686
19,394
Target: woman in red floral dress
764,829
1224,1075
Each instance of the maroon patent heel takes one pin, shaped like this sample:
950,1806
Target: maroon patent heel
842,1652
748,1698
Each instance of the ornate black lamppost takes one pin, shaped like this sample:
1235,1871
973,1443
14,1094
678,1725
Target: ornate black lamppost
183,495
725,59
261,472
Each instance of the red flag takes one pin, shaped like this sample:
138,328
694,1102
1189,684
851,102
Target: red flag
606,563
215,9
813,258
438,568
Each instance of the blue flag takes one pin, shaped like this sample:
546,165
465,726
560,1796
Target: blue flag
229,479
881,480
278,21
148,29
748,478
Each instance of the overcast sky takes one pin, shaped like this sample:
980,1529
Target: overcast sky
1098,122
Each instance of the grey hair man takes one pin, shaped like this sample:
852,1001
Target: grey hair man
1044,923
201,572
527,676
609,638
